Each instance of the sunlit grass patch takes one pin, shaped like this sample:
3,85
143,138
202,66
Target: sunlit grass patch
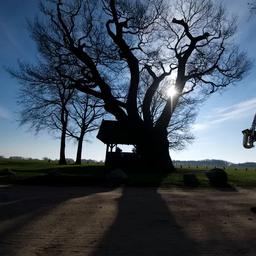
242,177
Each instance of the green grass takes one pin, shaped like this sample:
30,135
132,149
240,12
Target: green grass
242,178
35,171
236,177
29,165
28,169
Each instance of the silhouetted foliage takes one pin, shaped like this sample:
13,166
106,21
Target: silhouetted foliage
252,6
111,45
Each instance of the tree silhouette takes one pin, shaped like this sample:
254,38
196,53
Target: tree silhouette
252,6
111,44
179,127
48,102
44,98
85,114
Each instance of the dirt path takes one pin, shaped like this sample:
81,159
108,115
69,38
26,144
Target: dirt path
126,221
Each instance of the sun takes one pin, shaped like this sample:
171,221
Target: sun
171,92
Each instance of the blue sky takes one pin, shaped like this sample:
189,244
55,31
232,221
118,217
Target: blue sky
217,129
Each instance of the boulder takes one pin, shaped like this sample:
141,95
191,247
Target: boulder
7,176
7,172
190,180
54,173
217,177
116,177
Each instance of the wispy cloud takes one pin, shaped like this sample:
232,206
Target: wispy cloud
229,113
200,126
4,113
236,111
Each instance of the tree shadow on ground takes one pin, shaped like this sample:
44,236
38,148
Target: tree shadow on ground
21,205
126,221
144,226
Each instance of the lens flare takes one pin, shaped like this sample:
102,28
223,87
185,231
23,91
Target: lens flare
171,92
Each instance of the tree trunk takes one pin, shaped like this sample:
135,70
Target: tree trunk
79,150
62,160
153,151
64,123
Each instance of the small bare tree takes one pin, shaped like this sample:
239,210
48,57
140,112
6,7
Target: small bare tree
48,102
44,99
85,116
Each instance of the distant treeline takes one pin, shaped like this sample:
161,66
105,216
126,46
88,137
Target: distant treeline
214,163
208,163
69,160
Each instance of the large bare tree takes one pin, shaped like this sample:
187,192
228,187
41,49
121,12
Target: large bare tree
179,128
112,43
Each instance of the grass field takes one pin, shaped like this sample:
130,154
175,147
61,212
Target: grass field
50,173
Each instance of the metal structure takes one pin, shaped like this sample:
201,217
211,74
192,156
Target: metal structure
249,135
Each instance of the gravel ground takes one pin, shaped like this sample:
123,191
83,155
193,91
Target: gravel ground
126,221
